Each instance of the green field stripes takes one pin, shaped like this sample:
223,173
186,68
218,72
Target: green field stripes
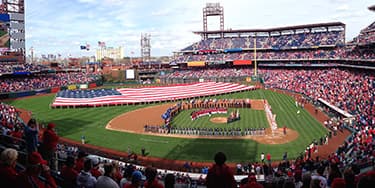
73,123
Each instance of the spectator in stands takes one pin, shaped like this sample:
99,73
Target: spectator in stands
367,180
36,167
152,182
80,160
319,177
338,183
84,178
169,181
252,182
31,136
69,174
306,180
219,175
127,175
8,173
137,180
334,172
349,178
117,173
49,144
95,167
107,181
289,183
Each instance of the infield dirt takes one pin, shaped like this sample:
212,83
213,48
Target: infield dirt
134,122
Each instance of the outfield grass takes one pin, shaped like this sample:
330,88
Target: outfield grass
72,123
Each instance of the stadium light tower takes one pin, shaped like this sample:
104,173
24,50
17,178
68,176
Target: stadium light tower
213,9
16,11
146,48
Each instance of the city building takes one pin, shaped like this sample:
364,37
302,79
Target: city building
109,52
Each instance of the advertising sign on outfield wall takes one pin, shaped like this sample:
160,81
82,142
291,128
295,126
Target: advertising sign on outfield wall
72,87
83,86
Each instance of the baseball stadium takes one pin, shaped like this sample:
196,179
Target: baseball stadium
290,106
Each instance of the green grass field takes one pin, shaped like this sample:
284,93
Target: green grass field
249,119
72,123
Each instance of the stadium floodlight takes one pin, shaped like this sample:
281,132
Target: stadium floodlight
213,9
146,48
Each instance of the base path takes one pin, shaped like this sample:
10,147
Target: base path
134,122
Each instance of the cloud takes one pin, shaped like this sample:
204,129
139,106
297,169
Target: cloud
344,7
161,12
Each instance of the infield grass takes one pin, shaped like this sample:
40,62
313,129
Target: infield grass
249,118
73,123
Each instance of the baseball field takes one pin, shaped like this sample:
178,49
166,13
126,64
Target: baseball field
91,122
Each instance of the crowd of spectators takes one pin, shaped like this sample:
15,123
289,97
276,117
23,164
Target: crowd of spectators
14,68
317,54
287,41
354,94
367,35
361,53
86,170
44,81
8,118
208,73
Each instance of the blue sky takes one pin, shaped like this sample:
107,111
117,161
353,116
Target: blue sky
55,26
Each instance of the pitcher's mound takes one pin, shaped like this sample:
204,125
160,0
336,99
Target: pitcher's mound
219,120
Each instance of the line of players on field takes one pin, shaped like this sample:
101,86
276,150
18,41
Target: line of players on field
204,131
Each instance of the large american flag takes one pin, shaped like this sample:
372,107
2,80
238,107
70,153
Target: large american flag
154,94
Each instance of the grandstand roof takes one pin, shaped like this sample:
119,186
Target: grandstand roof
330,24
372,7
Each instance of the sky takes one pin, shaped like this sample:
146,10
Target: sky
60,27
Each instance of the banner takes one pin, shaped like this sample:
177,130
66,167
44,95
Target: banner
242,62
92,85
83,86
55,89
196,64
72,87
